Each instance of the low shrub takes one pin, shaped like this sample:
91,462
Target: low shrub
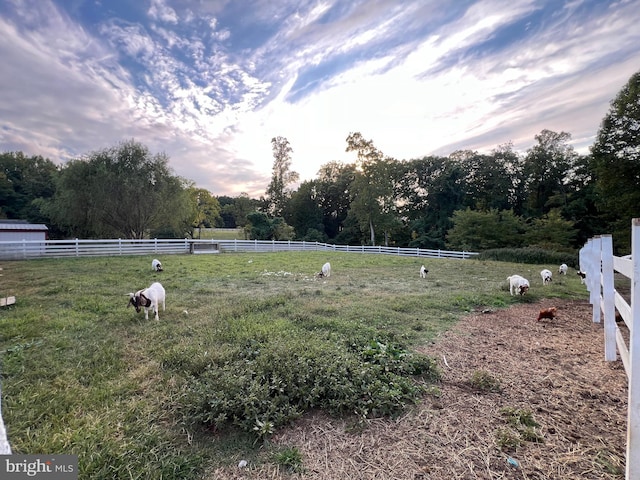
530,255
271,383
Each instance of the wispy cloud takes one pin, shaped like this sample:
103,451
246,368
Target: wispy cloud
210,83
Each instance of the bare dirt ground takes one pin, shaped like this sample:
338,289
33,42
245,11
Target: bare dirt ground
552,372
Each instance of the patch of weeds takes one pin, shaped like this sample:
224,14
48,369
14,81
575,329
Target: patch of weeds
523,428
518,417
529,434
289,458
507,440
277,380
434,391
483,381
610,463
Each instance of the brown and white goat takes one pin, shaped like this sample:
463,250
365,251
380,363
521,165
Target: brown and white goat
149,299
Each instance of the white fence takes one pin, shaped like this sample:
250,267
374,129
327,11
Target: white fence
600,265
26,249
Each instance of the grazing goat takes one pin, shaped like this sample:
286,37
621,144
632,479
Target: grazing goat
423,272
547,313
149,298
326,270
156,265
582,276
546,276
518,284
562,269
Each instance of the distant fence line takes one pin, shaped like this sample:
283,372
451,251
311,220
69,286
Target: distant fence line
29,249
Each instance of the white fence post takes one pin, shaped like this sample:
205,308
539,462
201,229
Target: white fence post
633,406
5,448
608,294
593,279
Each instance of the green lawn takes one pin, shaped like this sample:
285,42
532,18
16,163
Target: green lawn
83,374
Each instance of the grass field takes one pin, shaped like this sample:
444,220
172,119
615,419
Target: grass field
220,234
83,374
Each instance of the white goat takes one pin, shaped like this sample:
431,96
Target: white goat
156,265
562,269
518,284
326,270
149,298
546,276
423,272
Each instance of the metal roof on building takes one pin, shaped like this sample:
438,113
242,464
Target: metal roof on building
22,226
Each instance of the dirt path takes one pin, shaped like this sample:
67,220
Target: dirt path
550,372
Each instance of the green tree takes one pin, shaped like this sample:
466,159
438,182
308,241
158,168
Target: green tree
277,193
616,162
373,200
546,169
261,227
489,181
333,193
234,210
122,191
207,208
25,182
433,188
482,230
306,213
551,231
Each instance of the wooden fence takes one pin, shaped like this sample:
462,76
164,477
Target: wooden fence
601,266
27,249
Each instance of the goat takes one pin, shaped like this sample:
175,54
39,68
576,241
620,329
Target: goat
546,276
582,276
149,299
519,284
562,269
547,313
156,265
326,270
423,272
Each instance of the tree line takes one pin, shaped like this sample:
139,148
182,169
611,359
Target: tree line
549,196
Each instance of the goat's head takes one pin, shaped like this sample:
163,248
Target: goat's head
523,289
138,300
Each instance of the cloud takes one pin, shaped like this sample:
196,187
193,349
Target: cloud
210,83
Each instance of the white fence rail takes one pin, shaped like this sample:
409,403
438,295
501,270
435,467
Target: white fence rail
600,265
27,249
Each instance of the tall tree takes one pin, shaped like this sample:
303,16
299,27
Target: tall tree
277,193
334,186
373,201
306,216
435,187
616,160
546,169
207,208
25,182
122,191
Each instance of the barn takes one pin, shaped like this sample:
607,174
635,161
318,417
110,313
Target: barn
17,230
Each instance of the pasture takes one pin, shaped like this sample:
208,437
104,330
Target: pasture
83,374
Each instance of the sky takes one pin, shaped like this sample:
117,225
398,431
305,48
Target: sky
209,83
